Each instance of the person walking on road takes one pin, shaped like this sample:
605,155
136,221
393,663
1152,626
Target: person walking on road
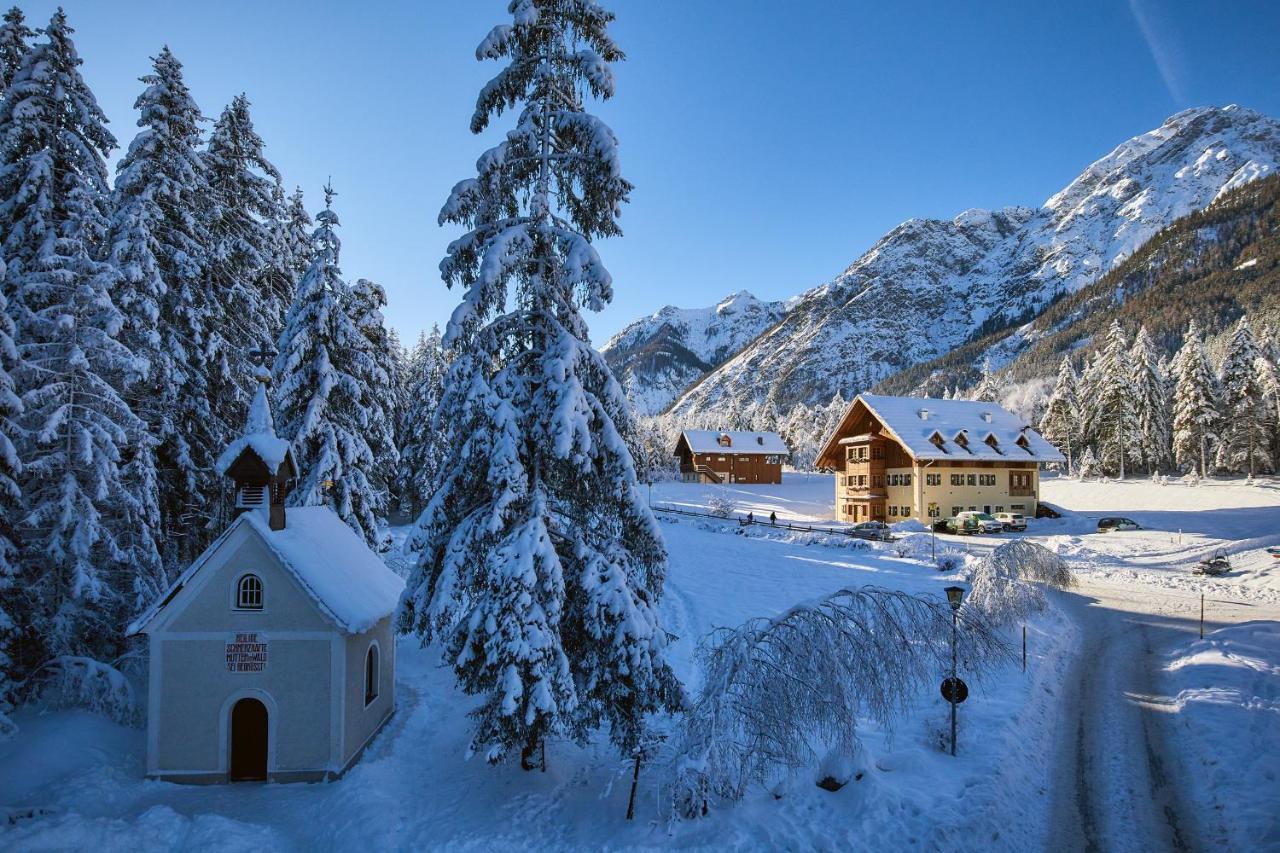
773,519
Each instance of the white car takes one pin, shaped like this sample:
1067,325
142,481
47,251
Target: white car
1012,520
971,521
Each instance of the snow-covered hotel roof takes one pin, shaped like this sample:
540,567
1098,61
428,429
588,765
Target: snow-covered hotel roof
739,441
940,430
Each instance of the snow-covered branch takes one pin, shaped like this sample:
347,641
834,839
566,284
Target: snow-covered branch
778,690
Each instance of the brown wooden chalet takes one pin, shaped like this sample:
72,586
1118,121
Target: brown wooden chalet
735,456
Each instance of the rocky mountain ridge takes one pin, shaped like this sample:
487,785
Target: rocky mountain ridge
929,286
657,357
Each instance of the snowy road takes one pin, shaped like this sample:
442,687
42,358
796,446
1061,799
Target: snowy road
1121,782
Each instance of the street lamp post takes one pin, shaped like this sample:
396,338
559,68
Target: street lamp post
955,595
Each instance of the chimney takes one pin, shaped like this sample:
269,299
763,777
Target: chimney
924,414
986,416
760,440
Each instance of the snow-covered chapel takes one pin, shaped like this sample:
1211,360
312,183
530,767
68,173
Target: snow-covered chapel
273,655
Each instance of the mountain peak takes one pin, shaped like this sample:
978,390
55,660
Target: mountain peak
928,285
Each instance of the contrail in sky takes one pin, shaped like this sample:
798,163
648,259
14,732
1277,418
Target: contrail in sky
1160,51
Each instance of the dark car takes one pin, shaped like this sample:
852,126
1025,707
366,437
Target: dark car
1109,525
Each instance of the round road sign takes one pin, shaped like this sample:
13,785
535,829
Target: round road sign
954,690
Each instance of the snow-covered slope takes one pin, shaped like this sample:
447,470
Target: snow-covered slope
927,286
657,357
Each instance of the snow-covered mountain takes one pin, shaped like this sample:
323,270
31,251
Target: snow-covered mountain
657,357
929,285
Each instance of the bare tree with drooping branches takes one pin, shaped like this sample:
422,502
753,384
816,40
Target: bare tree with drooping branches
777,690
1005,583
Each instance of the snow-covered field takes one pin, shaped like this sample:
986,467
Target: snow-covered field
74,781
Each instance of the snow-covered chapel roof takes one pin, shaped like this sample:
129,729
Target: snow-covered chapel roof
259,436
953,429
739,441
349,583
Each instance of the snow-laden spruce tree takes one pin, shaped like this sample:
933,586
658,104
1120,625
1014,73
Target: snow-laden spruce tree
297,229
541,566
1245,445
83,537
15,41
12,612
376,373
1061,421
242,210
425,435
1112,421
988,388
1151,403
156,242
1269,376
322,367
1196,410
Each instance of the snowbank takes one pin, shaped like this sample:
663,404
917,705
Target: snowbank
1227,698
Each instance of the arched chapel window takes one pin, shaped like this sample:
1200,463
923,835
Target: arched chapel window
249,593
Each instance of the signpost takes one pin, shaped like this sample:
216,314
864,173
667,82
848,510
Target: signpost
955,691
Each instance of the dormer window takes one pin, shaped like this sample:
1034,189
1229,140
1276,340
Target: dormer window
1023,443
938,441
725,441
961,438
992,442
249,593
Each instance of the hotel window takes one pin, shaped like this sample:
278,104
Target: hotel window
933,479
955,510
973,479
893,511
999,508
935,512
957,479
1017,507
906,479
877,453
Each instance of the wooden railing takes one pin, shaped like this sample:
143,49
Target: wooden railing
709,472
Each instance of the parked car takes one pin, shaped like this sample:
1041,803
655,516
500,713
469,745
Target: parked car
877,530
971,521
1109,525
1011,520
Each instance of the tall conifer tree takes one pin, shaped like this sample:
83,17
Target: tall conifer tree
1061,421
541,566
1151,403
156,243
1196,416
1246,431
12,612
1113,417
15,41
376,372
321,398
425,436
83,541
243,241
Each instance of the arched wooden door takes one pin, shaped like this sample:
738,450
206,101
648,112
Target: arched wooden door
248,740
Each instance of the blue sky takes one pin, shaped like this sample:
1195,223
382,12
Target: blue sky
771,141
